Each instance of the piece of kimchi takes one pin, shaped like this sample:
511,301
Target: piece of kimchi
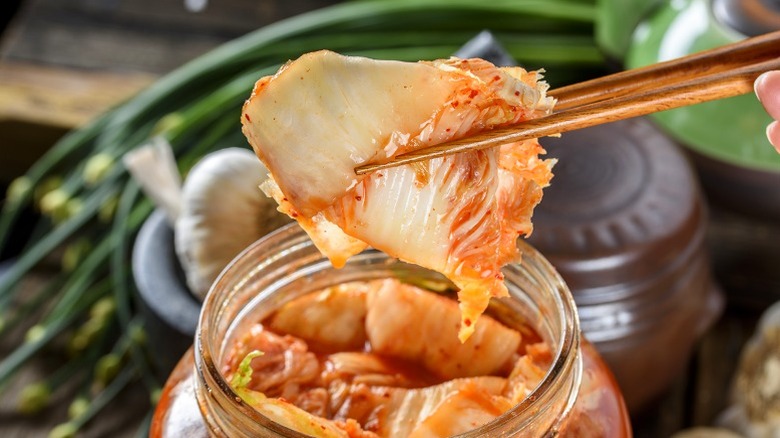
324,114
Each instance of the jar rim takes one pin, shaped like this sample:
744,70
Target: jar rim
565,358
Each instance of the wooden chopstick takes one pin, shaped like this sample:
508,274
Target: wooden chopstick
629,94
728,57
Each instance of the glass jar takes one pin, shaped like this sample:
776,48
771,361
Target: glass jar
578,397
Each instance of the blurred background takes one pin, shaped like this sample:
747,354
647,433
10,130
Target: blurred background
686,202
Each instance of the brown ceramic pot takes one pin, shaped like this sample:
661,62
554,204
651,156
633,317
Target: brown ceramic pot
624,223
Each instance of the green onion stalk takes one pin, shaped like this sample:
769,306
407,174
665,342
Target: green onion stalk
10,320
37,396
72,426
93,209
10,364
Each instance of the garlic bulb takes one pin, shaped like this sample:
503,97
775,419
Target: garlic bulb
222,212
219,211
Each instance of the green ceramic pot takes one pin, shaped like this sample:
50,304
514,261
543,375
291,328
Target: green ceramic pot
616,21
729,130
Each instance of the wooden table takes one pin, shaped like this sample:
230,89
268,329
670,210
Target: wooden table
64,61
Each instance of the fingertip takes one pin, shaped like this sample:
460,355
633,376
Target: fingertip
767,88
773,134
758,85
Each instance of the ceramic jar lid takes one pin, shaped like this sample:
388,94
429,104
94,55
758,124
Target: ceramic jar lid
623,204
624,223
748,17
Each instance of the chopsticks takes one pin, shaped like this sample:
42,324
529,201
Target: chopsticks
714,74
720,59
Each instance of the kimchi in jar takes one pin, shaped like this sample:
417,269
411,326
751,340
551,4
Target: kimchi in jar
288,346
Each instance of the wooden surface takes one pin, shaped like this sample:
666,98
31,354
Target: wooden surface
39,103
63,62
61,97
151,36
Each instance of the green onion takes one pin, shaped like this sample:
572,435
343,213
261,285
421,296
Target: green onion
11,363
23,311
36,396
70,428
